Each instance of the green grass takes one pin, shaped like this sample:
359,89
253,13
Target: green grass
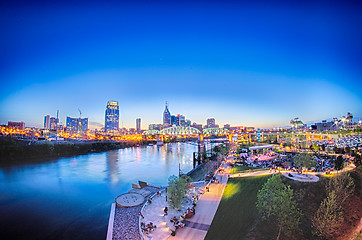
240,169
237,210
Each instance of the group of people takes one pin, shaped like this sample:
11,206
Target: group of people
178,223
148,228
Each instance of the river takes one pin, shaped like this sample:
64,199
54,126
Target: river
70,198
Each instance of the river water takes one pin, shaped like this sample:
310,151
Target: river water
70,198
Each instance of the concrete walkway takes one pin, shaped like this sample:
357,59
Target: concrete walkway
199,224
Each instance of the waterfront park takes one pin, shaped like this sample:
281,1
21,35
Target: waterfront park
220,185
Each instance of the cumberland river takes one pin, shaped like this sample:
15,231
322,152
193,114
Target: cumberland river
70,198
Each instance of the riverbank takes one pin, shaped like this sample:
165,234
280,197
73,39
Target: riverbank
14,151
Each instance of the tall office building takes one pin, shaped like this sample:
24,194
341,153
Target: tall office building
46,122
166,116
138,125
77,125
112,116
210,123
53,122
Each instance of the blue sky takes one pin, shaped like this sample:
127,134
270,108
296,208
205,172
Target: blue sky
250,63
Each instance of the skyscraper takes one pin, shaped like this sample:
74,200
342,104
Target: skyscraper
47,122
112,116
210,123
53,122
77,125
138,125
166,117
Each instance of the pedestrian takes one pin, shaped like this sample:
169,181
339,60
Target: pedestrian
165,210
142,215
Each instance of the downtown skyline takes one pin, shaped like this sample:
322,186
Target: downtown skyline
243,64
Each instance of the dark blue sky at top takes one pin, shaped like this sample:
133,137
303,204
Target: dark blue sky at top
249,63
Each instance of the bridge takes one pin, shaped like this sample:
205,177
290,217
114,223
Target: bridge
178,131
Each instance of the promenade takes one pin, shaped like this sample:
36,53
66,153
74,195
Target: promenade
197,226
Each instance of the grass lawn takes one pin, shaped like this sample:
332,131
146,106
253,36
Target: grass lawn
240,169
237,211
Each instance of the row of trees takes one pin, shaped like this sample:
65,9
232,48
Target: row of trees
329,216
275,201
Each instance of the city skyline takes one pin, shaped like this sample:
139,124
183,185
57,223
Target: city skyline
243,64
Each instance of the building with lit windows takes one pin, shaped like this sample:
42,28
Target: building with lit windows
17,125
166,117
47,122
112,116
53,122
138,125
76,125
210,122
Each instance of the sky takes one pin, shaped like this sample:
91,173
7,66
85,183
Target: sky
246,63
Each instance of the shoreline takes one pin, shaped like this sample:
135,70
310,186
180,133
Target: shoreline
17,152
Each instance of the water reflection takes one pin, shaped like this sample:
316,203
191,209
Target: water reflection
112,158
70,198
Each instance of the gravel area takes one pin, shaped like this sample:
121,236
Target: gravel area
126,221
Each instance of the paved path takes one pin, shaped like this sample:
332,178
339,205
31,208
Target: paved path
198,225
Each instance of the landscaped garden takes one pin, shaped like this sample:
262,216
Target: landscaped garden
238,217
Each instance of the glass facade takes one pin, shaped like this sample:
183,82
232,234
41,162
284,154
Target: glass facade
112,116
138,125
77,124
166,116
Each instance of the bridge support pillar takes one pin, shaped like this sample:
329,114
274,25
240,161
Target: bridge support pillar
231,138
159,141
201,138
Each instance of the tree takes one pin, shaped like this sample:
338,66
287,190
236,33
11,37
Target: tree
357,161
276,200
343,186
338,163
328,217
304,160
176,190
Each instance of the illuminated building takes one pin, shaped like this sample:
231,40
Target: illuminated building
77,125
138,125
210,122
47,122
17,125
112,116
166,117
53,123
173,120
155,127
180,120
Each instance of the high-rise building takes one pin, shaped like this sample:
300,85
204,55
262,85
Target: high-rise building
138,125
77,125
112,116
210,122
47,122
166,117
180,120
173,120
53,122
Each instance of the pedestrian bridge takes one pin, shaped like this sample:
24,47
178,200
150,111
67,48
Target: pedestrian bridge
184,131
